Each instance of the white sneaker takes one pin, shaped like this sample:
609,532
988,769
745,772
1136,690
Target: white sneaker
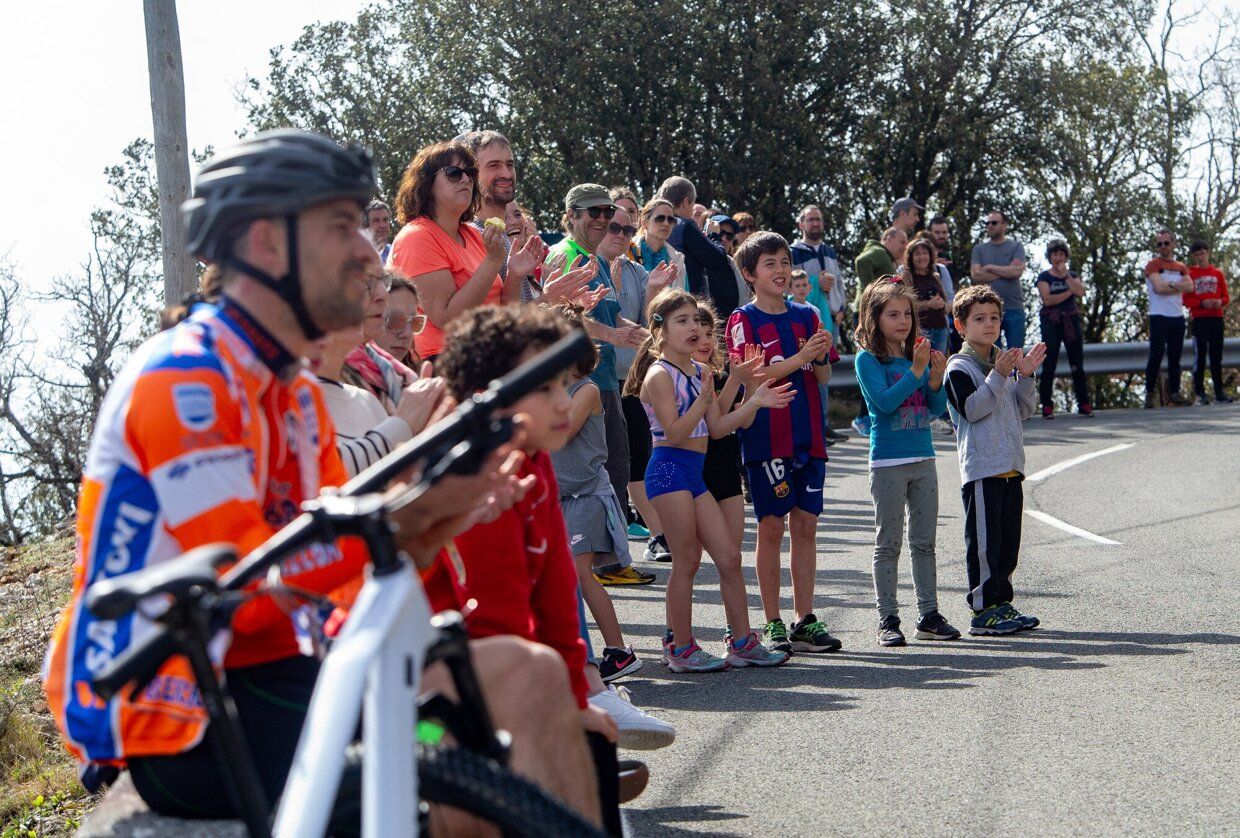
639,730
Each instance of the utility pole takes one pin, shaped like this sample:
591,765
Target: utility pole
163,62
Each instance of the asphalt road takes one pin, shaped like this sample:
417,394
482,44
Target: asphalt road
1121,716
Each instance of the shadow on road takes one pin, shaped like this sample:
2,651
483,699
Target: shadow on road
933,666
657,820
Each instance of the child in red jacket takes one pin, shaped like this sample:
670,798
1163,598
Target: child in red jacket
1206,303
519,568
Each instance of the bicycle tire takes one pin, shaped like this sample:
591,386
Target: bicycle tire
472,783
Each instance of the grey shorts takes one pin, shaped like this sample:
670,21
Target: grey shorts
589,530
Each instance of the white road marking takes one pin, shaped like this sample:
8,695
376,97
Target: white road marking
1066,464
1068,528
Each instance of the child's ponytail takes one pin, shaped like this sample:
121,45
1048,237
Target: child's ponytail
644,357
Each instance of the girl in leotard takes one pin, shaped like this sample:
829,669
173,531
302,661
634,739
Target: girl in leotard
679,397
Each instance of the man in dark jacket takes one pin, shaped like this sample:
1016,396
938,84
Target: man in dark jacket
708,272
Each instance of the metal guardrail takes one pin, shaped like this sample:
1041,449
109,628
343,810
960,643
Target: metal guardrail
1100,359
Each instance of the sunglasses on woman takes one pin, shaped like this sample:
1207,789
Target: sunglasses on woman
596,212
396,322
662,219
615,229
453,173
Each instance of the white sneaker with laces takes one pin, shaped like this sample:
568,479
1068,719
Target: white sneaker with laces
639,731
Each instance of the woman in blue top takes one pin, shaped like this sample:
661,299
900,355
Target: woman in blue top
901,377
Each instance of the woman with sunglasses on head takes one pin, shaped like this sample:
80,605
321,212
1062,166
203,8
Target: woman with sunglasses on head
454,266
656,223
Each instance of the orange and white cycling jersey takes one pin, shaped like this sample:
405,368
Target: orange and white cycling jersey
199,440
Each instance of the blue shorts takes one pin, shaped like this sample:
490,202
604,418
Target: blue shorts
779,486
674,470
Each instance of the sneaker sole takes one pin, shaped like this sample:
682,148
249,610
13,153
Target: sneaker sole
805,646
681,668
987,631
929,635
614,583
741,663
639,739
633,666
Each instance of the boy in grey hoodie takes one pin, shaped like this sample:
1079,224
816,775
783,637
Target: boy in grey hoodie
988,402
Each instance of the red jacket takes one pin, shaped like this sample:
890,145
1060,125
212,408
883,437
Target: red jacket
1210,285
520,571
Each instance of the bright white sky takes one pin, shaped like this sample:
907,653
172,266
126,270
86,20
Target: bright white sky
77,93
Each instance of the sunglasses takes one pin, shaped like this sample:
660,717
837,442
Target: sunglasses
725,234
596,212
1163,243
397,323
662,219
615,229
993,223
454,173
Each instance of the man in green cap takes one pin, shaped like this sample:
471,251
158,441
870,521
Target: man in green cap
588,212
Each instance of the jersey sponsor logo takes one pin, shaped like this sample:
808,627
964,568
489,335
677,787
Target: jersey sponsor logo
194,404
187,465
738,333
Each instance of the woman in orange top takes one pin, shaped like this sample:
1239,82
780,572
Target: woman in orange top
453,265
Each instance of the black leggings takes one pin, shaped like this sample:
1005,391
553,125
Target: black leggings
1052,335
1208,343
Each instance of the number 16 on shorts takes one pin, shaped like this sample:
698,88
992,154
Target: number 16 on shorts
778,486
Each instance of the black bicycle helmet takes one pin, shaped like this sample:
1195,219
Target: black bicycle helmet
277,174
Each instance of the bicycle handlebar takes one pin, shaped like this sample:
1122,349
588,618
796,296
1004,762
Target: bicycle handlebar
470,423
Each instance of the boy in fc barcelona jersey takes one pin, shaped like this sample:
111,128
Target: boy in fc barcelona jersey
783,450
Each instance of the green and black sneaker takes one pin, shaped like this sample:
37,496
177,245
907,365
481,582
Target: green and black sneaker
775,637
809,635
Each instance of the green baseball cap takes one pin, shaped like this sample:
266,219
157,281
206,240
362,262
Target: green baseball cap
587,195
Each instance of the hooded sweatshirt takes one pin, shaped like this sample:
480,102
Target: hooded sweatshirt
987,409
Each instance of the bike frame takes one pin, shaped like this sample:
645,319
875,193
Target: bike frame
374,662
373,669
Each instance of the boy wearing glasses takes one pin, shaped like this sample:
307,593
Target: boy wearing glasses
999,263
1166,280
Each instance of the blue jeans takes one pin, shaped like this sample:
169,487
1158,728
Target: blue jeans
937,338
1013,329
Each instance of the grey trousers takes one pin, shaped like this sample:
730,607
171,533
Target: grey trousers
617,465
915,487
